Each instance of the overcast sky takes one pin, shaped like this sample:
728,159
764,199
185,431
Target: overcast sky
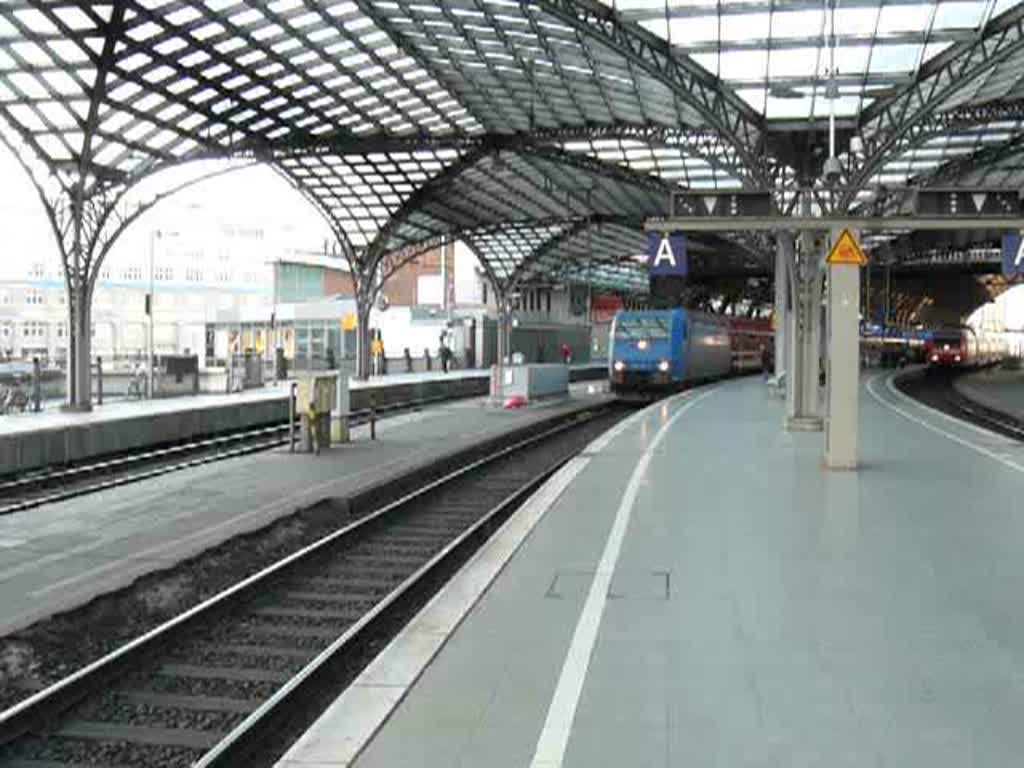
253,195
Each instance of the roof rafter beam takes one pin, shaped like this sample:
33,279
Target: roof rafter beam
575,228
950,172
733,8
692,85
909,37
600,168
372,12
705,145
417,200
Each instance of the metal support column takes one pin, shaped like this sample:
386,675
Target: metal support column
362,336
803,408
498,386
783,251
843,369
79,349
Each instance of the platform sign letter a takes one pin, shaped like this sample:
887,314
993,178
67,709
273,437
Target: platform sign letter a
666,254
1013,254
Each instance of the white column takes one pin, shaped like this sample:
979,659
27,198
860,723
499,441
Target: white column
841,426
783,250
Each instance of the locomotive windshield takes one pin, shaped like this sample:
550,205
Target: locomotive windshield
944,339
642,328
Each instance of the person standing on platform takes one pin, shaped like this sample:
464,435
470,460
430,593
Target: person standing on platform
312,416
443,351
377,353
566,354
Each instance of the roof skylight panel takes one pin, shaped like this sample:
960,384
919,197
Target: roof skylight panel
228,46
793,62
33,54
144,31
60,82
65,51
183,16
37,22
904,18
300,22
124,92
170,46
194,59
894,58
218,70
797,24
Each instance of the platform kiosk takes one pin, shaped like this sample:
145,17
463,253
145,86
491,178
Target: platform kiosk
320,389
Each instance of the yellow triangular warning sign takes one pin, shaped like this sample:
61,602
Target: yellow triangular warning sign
847,251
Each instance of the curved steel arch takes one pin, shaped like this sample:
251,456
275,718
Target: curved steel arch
724,112
889,126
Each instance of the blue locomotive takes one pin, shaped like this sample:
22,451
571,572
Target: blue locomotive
663,350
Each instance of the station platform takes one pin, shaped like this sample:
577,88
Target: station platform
61,555
995,388
33,440
697,590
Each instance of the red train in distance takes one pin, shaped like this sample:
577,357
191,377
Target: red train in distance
752,340
963,348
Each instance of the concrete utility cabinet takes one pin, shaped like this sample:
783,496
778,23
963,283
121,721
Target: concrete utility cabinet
318,388
534,381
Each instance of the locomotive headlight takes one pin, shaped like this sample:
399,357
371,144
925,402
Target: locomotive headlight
935,358
956,358
642,344
619,365
663,366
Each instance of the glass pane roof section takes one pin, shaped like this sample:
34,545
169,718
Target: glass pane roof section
188,75
776,53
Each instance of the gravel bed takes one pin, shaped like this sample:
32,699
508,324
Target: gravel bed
117,710
215,658
111,753
239,636
54,648
189,686
319,622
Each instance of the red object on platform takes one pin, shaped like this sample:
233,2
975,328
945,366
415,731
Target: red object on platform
516,401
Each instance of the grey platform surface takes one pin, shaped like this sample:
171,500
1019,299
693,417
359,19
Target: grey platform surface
54,418
762,612
61,555
995,388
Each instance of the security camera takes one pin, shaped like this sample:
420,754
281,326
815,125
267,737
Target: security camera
832,171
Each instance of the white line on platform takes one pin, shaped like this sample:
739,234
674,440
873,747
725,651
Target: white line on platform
348,725
955,438
994,436
554,738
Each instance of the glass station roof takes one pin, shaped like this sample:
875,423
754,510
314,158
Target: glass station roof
776,54
403,121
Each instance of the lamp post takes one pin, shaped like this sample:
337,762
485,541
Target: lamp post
154,235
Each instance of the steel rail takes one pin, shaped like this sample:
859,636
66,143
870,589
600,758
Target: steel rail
38,480
50,703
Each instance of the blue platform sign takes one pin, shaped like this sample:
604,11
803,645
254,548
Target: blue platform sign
1013,254
666,254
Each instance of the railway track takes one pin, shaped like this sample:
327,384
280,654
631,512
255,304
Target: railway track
935,388
233,680
33,489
